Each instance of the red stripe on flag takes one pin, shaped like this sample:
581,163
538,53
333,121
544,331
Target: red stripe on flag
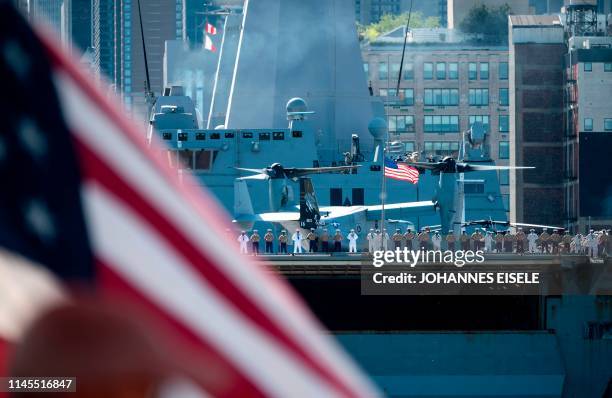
95,169
231,382
204,206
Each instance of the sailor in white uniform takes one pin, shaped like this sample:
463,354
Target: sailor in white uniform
297,241
385,239
377,240
436,239
371,237
352,238
591,240
577,243
488,242
243,239
532,238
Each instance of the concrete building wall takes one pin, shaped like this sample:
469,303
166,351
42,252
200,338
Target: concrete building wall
536,122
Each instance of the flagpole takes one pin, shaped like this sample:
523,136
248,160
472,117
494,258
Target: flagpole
383,188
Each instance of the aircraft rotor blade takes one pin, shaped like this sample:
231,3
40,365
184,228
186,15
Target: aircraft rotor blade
424,165
466,167
295,172
536,226
255,177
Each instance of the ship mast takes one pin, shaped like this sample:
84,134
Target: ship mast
149,95
383,190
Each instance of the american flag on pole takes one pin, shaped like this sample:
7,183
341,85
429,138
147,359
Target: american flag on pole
400,171
85,202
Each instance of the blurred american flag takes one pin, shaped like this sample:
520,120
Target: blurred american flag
85,201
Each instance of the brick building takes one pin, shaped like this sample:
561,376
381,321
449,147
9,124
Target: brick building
447,84
537,49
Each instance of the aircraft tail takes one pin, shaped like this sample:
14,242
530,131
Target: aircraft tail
309,207
242,199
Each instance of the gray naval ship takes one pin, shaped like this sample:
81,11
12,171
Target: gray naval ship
545,345
288,95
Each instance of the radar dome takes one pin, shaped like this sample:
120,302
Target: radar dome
296,105
378,128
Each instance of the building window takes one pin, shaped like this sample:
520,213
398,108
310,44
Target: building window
408,71
409,145
440,70
441,124
401,123
608,124
408,94
383,71
503,97
484,119
442,148
453,70
479,96
504,123
428,70
608,67
383,92
588,67
503,71
484,71
472,72
473,187
441,96
395,68
504,177
504,150
588,124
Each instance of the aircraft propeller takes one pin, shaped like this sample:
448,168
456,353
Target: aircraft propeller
450,165
494,223
277,170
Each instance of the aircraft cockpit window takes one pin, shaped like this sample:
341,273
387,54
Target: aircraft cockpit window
215,136
167,135
473,187
229,135
182,136
278,135
200,136
264,136
247,134
296,134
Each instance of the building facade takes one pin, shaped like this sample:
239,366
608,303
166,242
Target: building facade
537,49
447,84
118,44
588,77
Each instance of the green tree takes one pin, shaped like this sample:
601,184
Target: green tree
490,25
391,21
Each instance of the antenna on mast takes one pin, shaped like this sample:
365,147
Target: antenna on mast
149,95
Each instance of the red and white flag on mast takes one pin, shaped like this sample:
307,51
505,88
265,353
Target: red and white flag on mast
211,29
208,44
